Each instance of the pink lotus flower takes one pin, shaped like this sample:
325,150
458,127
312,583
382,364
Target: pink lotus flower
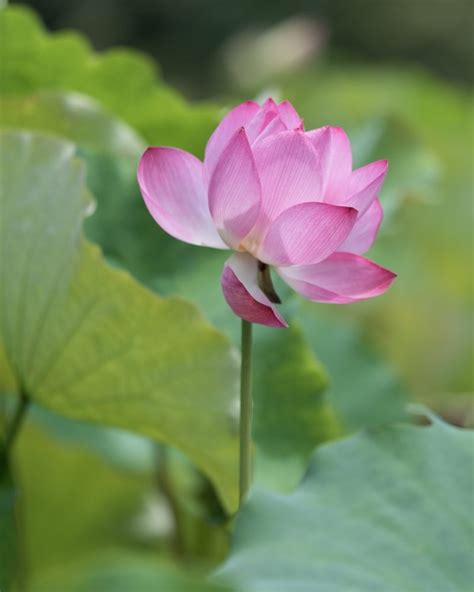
277,196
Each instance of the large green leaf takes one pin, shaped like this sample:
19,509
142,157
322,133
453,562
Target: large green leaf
389,510
123,80
88,341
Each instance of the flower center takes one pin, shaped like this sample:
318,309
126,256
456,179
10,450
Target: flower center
265,283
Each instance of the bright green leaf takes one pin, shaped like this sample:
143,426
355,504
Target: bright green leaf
88,341
389,510
124,357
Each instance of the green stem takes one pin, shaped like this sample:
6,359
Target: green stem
12,431
245,410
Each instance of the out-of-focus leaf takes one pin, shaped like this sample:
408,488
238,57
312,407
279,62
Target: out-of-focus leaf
414,168
423,323
8,532
74,503
126,507
87,341
389,510
73,116
364,390
292,413
124,81
120,572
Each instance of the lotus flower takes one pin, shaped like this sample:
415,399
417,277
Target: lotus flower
279,197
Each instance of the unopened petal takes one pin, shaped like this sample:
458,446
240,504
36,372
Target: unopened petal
342,278
261,120
244,296
234,191
275,126
171,182
307,233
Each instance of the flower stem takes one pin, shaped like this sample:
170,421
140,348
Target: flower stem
245,410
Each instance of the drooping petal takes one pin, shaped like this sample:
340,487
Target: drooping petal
340,279
289,173
234,191
306,233
239,117
244,296
334,151
363,234
171,182
289,115
365,185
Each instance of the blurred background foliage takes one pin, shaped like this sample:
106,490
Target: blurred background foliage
396,76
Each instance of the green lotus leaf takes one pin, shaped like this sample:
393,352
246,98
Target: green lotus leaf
88,341
384,510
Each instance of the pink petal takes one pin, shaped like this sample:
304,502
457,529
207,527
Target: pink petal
234,191
171,182
340,279
334,150
307,233
275,126
289,173
243,295
261,120
289,115
365,230
239,117
365,185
